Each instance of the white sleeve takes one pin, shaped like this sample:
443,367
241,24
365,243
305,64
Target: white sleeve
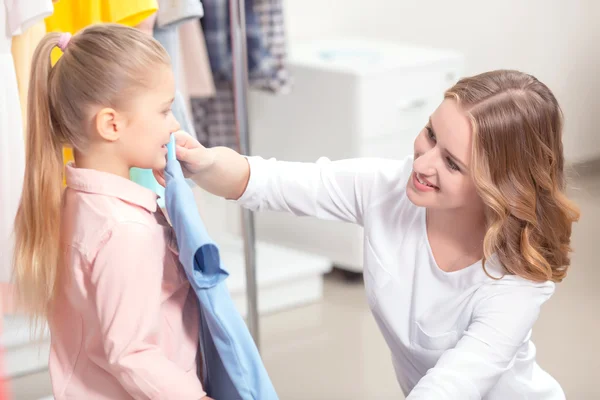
22,14
174,12
500,326
338,190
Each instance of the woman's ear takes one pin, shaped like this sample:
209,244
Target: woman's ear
109,124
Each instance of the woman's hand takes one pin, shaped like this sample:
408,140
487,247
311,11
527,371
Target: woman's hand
193,157
218,170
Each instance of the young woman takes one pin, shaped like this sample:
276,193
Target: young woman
464,240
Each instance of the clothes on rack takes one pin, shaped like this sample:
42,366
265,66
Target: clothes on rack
276,78
74,15
217,32
170,15
16,17
265,37
214,118
195,67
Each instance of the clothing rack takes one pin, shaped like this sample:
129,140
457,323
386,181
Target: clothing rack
237,17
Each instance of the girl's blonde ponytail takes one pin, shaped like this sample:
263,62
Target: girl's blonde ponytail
37,224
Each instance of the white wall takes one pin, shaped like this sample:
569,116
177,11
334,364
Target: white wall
558,41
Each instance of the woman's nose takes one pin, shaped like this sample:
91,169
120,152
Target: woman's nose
425,162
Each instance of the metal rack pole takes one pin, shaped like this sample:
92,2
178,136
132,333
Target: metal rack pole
240,89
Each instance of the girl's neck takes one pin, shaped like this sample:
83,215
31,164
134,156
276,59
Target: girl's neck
100,162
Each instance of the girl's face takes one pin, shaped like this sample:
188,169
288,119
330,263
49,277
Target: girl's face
150,123
441,177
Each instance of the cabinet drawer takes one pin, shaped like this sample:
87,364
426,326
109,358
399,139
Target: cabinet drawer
396,147
401,101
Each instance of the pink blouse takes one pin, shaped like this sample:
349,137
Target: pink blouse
125,324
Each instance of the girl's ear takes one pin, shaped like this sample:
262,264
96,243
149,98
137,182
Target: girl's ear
110,124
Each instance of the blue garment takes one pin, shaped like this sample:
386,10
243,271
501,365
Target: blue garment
232,367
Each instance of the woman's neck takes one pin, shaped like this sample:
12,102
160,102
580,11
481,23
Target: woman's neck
464,228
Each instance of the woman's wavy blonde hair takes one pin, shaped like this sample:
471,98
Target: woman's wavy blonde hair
518,169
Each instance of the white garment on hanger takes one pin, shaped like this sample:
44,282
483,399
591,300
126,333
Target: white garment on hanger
16,16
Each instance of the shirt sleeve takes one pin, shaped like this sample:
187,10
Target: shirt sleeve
333,190
174,12
127,278
500,326
21,15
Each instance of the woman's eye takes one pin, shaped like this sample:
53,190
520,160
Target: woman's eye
452,165
430,134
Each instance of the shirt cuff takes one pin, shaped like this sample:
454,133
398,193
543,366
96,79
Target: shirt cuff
258,176
176,12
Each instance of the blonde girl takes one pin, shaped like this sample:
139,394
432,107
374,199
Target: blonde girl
98,260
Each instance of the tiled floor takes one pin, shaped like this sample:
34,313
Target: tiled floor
333,350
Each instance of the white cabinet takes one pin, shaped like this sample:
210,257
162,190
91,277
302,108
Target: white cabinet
350,98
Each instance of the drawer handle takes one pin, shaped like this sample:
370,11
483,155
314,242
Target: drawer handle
412,105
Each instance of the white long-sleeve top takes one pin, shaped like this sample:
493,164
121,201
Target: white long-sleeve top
458,335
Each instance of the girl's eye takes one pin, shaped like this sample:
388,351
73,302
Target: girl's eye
452,165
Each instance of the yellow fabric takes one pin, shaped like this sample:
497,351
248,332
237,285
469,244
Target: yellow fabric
23,47
74,15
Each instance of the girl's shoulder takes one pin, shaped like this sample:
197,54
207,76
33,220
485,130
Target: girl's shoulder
89,220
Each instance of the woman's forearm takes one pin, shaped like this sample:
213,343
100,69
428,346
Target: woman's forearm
227,176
